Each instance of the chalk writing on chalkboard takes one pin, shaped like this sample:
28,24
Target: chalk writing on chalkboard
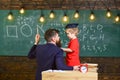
88,33
11,31
100,38
26,30
92,39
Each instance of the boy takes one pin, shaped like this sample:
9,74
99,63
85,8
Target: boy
72,52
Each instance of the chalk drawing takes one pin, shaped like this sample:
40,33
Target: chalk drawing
92,37
21,20
101,37
24,32
41,28
57,24
41,31
100,27
84,37
84,28
12,31
104,47
95,48
87,33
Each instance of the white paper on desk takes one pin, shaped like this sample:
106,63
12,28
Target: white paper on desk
50,70
58,71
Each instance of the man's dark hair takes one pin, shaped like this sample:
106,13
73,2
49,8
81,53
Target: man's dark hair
50,33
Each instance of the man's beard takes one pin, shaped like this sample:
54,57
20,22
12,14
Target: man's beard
59,43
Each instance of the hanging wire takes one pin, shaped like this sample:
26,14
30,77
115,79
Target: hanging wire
115,2
22,8
10,14
117,18
81,3
88,2
48,2
92,15
108,13
104,4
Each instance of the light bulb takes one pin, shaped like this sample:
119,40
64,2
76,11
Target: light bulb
92,16
108,14
76,15
10,16
65,18
22,11
42,19
117,18
52,15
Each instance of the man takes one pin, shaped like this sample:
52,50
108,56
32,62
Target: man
49,55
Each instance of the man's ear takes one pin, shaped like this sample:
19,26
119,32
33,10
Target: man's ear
53,39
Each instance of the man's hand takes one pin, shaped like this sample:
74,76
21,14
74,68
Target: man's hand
37,38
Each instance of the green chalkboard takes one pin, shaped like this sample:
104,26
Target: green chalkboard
99,38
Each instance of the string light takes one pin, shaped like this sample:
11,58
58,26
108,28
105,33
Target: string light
65,18
117,18
52,15
108,14
92,16
10,16
76,15
42,19
22,10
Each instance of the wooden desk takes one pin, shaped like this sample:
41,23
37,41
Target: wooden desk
71,75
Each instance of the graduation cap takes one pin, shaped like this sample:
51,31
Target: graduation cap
73,25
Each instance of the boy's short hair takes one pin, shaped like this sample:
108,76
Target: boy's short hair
72,28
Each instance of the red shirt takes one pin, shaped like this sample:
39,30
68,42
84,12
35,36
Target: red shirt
72,58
